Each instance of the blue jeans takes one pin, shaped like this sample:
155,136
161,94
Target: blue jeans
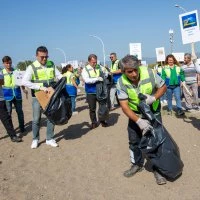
164,97
73,102
177,94
19,111
36,122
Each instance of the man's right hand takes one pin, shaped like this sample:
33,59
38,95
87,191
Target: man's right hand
99,78
45,89
144,125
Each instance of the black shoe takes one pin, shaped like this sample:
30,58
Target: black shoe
94,125
160,180
180,113
133,170
16,139
104,124
22,130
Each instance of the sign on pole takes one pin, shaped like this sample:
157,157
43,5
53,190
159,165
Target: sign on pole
135,50
179,56
189,24
160,54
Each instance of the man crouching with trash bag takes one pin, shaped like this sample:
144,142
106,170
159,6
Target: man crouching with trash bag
135,80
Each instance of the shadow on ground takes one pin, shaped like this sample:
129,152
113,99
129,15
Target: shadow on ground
73,131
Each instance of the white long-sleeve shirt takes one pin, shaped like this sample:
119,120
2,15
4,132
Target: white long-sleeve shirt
26,81
88,79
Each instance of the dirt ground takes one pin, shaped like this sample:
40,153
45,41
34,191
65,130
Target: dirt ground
89,164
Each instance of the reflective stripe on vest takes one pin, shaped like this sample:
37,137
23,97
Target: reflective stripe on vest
93,73
10,90
146,86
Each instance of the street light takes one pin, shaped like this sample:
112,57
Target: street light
104,57
61,50
178,6
192,44
171,39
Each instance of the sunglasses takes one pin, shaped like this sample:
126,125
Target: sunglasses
43,57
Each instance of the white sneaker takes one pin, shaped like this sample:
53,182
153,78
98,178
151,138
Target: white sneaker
164,101
34,144
52,143
75,113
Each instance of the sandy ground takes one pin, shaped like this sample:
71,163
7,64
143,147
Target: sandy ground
89,164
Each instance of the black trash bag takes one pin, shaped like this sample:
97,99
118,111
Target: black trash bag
158,145
102,95
58,110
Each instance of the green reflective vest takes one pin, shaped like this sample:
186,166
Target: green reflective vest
145,86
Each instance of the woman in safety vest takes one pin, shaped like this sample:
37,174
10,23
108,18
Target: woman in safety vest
173,76
71,86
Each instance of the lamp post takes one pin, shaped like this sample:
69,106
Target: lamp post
104,57
62,51
192,44
171,39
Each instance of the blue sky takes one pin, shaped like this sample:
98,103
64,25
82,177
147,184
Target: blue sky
67,24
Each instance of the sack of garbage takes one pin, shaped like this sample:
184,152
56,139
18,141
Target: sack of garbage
158,145
102,95
58,110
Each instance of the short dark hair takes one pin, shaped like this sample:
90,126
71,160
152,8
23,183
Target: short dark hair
114,54
41,49
6,59
92,56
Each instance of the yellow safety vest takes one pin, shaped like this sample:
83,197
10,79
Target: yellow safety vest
10,90
146,86
93,73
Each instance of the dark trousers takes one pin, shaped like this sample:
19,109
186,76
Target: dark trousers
108,99
6,119
19,111
135,135
92,102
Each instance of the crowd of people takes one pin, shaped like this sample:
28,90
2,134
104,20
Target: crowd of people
124,80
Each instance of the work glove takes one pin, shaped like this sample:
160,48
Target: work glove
144,125
99,78
150,99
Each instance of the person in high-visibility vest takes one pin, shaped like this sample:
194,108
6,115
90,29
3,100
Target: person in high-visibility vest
4,115
134,80
12,92
116,73
173,76
91,75
39,76
71,86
